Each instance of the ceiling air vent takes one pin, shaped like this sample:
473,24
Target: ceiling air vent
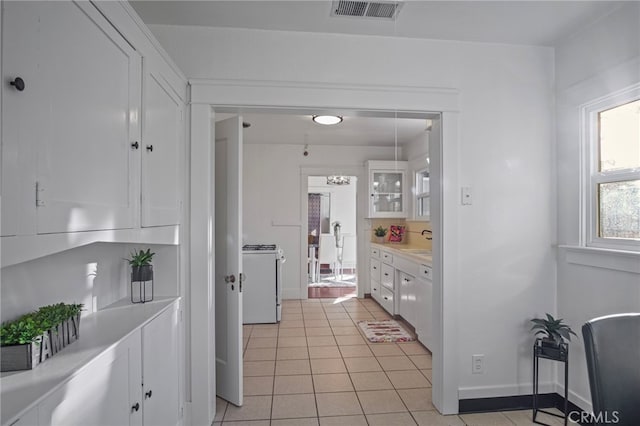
366,9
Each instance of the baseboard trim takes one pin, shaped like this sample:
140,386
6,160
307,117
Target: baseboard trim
516,402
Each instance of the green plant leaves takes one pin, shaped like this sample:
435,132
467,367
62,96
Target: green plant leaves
30,326
380,231
552,328
141,258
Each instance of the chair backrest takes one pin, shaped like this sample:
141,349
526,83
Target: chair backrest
612,348
327,249
349,249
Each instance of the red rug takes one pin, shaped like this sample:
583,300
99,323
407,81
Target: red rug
384,331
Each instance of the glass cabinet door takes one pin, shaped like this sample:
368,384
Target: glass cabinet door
387,191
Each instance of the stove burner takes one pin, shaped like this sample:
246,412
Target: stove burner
258,247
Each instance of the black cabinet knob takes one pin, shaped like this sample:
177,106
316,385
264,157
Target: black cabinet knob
148,394
150,148
135,407
135,145
18,83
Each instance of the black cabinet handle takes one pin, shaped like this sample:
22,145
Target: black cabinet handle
135,145
150,148
135,407
148,394
386,298
18,83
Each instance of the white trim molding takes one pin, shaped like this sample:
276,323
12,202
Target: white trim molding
617,260
240,95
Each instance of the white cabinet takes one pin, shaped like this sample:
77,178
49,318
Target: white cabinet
162,147
387,277
102,394
77,118
135,383
387,189
424,302
407,303
161,399
95,140
29,418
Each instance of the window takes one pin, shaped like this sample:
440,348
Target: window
613,189
422,195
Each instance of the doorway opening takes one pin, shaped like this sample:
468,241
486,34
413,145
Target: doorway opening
332,236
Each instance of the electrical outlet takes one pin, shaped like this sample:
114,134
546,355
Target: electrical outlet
477,364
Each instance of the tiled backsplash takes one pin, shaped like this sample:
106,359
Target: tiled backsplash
413,232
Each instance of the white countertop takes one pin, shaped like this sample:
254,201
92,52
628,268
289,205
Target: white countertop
424,256
21,390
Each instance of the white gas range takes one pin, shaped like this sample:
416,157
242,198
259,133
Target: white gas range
262,286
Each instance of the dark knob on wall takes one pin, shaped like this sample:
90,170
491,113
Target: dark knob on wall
135,145
135,407
18,83
148,394
150,148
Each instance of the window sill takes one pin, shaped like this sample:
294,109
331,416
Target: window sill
618,260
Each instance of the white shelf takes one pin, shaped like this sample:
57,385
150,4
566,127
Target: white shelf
20,249
22,390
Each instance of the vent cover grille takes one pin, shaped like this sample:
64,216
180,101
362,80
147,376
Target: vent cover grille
383,10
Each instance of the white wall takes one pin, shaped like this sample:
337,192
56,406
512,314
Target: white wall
504,251
95,275
272,196
600,59
343,202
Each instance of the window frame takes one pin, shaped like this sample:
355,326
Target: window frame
591,174
422,195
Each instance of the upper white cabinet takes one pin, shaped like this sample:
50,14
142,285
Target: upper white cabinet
78,117
95,140
163,134
387,189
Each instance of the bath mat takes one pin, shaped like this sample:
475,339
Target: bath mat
384,331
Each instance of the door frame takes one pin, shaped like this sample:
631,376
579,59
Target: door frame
244,95
305,172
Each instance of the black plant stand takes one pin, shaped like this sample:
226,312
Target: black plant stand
560,354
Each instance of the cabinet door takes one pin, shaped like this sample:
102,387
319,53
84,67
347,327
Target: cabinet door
160,370
423,313
407,305
387,189
22,113
102,394
82,103
30,418
162,152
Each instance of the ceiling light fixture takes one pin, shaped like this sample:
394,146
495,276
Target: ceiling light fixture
327,120
338,180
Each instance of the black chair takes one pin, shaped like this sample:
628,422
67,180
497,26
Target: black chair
612,347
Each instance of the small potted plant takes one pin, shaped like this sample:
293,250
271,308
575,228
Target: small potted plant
36,336
380,233
553,338
141,274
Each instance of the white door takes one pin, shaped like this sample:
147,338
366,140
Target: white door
228,259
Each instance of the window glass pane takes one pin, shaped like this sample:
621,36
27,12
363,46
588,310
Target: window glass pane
620,137
619,215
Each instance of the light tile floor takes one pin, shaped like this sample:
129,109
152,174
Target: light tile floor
316,368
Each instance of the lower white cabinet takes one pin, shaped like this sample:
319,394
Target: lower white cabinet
134,383
106,392
407,303
160,399
424,316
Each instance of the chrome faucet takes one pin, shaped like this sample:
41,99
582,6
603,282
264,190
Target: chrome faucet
428,232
